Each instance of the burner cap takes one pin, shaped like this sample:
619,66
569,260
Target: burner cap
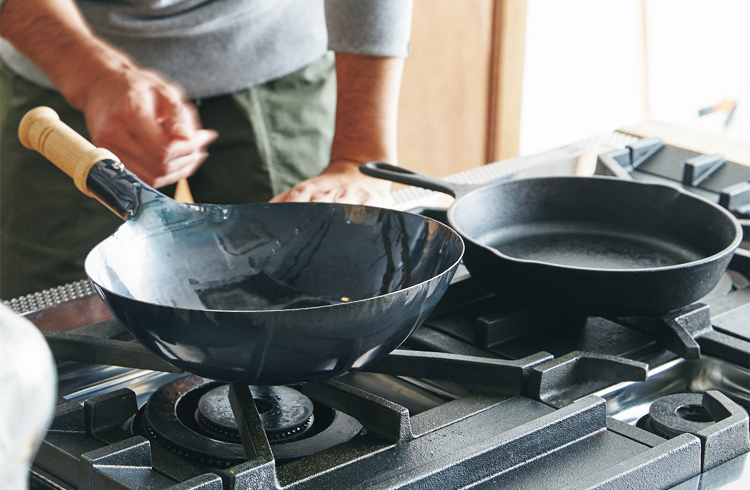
682,413
284,412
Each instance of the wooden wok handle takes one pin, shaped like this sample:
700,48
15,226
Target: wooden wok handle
42,130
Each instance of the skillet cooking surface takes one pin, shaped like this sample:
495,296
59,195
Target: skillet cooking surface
588,245
602,224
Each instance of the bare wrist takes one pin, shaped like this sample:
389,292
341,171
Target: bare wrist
99,62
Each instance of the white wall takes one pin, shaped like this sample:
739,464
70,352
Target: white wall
584,66
699,54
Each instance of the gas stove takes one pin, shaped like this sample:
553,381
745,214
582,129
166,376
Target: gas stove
485,394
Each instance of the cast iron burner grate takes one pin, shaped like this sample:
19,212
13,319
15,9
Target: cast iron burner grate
192,417
502,433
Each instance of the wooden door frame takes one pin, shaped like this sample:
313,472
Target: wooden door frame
506,79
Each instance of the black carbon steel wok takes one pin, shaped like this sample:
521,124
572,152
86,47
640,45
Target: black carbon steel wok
597,245
267,294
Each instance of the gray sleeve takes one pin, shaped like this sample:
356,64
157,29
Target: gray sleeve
373,27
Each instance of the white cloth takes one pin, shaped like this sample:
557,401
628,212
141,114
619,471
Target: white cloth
28,383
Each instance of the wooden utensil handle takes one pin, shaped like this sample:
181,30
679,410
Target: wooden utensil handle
182,193
42,130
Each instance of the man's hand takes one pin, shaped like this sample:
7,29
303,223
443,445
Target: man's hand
366,117
147,122
137,114
340,182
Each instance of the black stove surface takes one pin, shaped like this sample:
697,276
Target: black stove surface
482,393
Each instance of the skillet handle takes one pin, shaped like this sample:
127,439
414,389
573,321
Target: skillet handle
385,171
42,130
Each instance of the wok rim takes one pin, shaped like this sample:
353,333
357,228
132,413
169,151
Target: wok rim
448,270
728,250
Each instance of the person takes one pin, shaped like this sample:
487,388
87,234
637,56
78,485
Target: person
250,100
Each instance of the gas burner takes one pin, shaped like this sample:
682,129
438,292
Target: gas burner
719,423
672,415
286,414
191,416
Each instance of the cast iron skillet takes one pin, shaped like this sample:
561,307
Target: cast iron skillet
597,245
266,294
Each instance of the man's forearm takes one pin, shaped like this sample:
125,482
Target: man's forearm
134,112
56,38
367,107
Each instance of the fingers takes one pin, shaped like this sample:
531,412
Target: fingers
324,188
177,148
177,118
367,197
306,192
179,168
146,121
167,163
333,195
288,196
170,130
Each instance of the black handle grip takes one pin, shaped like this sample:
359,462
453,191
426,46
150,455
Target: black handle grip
386,171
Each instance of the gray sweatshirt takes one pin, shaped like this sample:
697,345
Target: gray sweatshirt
214,47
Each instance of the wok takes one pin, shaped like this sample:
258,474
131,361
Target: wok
266,294
596,245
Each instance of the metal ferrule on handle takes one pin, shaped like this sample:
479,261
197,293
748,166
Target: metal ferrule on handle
117,188
96,171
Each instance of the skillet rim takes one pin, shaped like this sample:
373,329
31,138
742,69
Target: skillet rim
738,235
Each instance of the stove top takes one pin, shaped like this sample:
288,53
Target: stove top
484,394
